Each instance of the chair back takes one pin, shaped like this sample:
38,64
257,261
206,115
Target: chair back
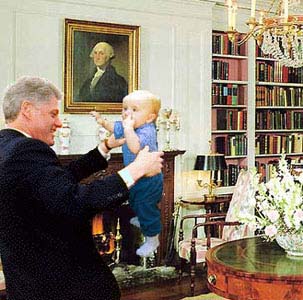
241,202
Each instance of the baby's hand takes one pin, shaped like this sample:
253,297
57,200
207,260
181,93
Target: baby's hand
128,122
98,117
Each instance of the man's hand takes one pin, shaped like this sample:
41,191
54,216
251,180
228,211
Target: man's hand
146,164
111,143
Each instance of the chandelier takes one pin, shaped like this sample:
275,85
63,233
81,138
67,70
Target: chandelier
278,33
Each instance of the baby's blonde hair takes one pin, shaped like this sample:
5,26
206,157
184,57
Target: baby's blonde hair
146,96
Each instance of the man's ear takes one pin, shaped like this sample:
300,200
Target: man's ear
151,118
27,109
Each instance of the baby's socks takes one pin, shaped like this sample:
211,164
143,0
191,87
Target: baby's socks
150,245
135,221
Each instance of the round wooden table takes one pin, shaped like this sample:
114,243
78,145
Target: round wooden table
253,269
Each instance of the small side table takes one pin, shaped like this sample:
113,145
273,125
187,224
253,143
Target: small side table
220,204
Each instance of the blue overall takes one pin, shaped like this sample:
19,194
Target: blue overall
147,192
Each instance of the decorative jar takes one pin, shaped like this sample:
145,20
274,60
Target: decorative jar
291,243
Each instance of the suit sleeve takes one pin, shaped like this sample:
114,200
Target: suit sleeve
41,176
87,164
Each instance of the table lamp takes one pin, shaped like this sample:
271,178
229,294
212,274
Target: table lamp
210,162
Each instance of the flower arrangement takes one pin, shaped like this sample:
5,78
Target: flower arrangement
278,203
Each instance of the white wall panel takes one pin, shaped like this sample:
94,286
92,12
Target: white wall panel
157,70
39,47
7,40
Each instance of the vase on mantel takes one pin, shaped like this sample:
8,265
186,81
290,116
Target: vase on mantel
291,243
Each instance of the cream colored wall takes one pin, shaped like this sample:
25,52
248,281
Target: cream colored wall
175,58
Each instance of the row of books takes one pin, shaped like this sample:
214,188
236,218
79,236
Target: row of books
265,169
273,71
270,120
231,145
260,53
220,69
276,144
225,94
231,119
229,176
279,96
222,45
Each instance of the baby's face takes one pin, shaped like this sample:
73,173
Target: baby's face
140,111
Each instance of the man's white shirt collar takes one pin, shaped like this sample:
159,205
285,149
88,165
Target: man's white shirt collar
24,133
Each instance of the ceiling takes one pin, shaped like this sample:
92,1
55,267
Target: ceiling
261,5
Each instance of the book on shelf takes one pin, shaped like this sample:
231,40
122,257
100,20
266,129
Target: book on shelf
221,119
265,169
279,120
274,71
297,143
232,173
279,96
220,144
277,144
225,94
234,94
222,45
231,119
220,70
231,145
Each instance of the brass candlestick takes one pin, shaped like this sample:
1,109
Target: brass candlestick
168,119
210,197
118,242
210,162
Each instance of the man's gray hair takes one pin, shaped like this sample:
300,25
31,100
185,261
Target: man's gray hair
33,89
109,50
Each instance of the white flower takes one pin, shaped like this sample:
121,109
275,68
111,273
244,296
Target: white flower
271,230
298,218
279,202
273,215
287,221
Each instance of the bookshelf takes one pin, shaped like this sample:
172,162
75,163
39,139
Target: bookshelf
278,113
229,104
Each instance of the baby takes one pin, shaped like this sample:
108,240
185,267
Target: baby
139,113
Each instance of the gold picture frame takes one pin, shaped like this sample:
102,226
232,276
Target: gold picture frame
82,39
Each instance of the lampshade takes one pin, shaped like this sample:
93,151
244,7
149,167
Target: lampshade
210,162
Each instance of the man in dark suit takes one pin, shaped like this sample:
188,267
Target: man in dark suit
46,246
106,85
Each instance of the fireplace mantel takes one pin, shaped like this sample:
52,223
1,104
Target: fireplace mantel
167,203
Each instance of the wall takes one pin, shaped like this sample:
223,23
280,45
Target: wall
175,56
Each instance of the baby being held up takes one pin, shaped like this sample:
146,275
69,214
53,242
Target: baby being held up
139,113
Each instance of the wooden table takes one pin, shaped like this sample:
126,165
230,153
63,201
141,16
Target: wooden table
253,269
220,203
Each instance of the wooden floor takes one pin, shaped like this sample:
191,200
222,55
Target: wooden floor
166,290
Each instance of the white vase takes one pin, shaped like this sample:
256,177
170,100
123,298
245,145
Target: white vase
291,243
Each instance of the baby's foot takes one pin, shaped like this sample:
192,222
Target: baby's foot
149,247
135,221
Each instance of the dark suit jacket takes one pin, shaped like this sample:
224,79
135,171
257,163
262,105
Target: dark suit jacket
46,244
111,87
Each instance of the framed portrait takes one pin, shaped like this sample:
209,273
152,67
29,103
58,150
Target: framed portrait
101,65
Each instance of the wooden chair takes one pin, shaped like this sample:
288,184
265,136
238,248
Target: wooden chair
226,226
